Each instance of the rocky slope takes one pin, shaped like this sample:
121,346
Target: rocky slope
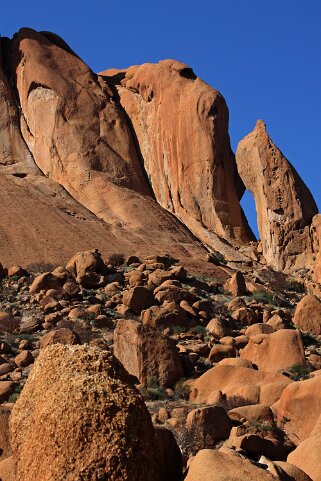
131,173
226,375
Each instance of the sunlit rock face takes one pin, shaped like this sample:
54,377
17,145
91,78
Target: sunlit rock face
285,206
181,127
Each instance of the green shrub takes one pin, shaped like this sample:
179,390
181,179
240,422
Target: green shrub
294,286
16,392
88,293
300,372
152,391
177,330
181,390
265,297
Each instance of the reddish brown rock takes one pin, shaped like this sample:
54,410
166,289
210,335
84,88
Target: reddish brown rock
307,314
105,175
260,328
241,385
12,147
8,323
299,409
59,336
169,454
219,352
146,353
217,327
8,469
273,352
213,465
5,446
138,299
44,282
6,389
307,457
208,425
284,204
245,315
24,359
83,265
287,470
258,413
198,182
54,421
167,315
236,286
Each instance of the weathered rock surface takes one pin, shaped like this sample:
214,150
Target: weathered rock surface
307,314
241,385
95,162
78,417
208,425
284,204
146,353
307,457
273,352
210,465
299,409
168,105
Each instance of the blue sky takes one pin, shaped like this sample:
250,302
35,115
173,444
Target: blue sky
264,57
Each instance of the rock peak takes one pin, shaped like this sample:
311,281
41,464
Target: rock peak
260,125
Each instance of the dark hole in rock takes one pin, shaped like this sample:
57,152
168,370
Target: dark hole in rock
188,73
21,175
213,111
279,211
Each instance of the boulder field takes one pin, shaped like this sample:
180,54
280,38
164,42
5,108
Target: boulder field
145,334
135,369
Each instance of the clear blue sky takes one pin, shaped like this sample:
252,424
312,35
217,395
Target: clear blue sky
264,56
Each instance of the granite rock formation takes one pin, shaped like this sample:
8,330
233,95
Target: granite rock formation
285,206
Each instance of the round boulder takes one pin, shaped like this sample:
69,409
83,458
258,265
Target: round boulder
78,417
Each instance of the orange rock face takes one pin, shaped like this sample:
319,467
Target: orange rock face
300,406
71,131
307,314
181,125
285,206
272,352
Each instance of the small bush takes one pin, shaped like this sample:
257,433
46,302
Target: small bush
182,390
116,259
86,293
198,330
152,391
294,286
300,372
177,330
14,396
264,426
265,297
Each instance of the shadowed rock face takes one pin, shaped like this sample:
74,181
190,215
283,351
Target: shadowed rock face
285,206
181,125
12,147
